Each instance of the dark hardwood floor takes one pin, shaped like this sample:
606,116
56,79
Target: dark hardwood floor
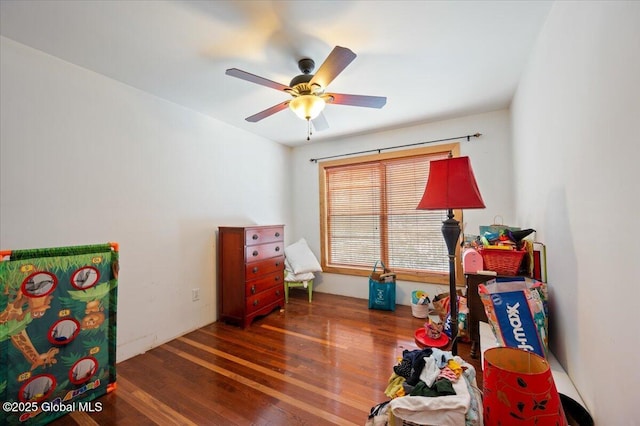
327,362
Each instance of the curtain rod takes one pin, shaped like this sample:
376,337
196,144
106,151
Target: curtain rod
379,150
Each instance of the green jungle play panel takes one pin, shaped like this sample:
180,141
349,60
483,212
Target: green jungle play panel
57,331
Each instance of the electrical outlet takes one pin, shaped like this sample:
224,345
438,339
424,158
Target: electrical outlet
195,294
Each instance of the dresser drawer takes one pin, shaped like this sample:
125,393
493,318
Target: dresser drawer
263,299
253,236
257,269
264,251
263,283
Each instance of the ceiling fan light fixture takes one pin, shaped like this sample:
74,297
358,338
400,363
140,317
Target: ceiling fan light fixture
307,107
308,90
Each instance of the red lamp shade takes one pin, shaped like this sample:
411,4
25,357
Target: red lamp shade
451,185
519,390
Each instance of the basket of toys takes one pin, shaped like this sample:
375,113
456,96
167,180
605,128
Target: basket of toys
420,304
502,261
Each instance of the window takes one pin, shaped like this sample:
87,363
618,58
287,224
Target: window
368,213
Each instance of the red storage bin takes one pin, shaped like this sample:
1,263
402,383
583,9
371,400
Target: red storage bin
503,262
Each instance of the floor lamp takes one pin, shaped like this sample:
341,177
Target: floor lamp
451,185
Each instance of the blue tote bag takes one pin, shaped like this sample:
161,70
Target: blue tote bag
382,289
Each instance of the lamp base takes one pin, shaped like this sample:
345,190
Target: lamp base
451,234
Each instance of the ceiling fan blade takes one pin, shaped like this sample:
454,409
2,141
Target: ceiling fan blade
234,72
358,100
337,61
320,123
268,112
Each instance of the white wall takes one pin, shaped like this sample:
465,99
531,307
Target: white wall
576,148
490,158
85,160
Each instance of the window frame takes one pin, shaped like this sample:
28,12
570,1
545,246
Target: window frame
432,277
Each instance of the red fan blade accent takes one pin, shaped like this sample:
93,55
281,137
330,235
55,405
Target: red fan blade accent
234,72
358,100
267,112
320,123
335,63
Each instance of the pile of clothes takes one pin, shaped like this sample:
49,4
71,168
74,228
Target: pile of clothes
430,387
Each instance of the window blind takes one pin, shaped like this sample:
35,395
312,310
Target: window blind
371,215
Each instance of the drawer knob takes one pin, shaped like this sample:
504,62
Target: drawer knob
255,252
253,289
277,279
255,269
277,292
278,248
255,236
255,302
277,234
277,263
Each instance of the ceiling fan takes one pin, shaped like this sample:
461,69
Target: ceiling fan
308,90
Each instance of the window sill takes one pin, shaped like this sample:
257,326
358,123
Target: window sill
425,278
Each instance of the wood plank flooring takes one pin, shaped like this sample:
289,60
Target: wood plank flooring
327,362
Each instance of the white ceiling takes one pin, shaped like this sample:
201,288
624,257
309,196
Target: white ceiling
431,59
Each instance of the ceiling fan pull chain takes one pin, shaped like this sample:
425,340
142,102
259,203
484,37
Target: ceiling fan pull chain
308,129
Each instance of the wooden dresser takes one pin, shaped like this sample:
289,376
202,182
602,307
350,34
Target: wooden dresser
250,272
476,309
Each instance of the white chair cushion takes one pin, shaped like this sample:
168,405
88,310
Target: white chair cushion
301,258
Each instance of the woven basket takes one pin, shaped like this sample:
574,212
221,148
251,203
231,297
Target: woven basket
420,310
503,262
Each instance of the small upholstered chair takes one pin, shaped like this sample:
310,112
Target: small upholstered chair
300,267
